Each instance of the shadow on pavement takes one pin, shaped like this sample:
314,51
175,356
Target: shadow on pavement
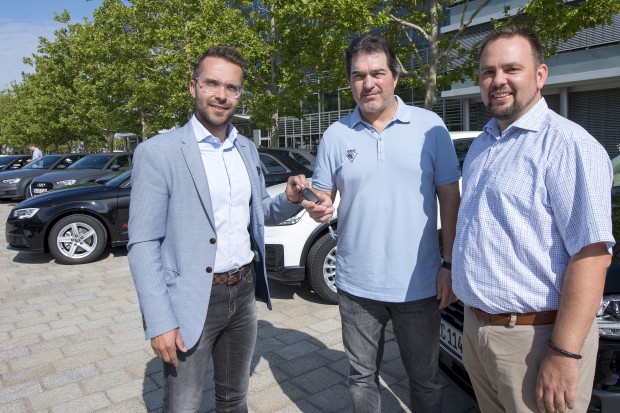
285,291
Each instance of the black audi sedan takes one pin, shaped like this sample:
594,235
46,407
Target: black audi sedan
605,396
16,184
87,169
74,224
12,162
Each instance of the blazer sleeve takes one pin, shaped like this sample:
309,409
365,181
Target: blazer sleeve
148,212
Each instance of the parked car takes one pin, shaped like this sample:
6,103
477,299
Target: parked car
16,184
87,169
74,224
301,249
303,156
278,164
606,387
12,162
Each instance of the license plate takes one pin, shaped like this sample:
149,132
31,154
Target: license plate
38,190
451,340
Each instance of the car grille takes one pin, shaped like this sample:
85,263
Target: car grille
45,185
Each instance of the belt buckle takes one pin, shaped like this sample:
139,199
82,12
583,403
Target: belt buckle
233,272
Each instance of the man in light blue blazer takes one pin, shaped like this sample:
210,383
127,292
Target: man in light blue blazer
196,240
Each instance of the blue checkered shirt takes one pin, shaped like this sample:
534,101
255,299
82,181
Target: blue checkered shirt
533,196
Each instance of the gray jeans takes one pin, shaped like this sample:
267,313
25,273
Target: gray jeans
416,327
229,335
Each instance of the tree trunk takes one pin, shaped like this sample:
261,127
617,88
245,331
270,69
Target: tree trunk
433,58
273,84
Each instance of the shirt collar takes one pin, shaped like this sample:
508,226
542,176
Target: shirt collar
401,115
532,121
203,135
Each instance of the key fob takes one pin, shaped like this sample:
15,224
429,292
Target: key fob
309,195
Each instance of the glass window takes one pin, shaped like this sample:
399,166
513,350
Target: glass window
271,164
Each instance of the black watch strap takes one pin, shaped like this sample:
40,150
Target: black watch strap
447,265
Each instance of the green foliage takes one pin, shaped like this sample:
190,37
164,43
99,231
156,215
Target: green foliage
129,68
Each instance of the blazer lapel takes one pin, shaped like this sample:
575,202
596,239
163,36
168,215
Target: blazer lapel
191,153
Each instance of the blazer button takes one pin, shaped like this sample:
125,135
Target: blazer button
209,269
212,241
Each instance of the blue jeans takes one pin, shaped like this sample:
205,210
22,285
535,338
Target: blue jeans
229,335
416,327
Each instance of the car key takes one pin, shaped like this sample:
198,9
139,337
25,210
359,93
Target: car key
309,195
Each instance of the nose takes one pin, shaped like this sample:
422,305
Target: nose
220,92
369,82
499,79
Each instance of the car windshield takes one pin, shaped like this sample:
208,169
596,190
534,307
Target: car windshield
119,179
92,162
43,163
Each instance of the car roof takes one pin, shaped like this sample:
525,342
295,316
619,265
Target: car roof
464,134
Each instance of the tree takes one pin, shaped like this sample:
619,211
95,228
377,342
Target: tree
294,49
438,59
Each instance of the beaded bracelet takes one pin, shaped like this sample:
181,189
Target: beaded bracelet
564,352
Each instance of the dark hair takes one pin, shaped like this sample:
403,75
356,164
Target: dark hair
508,32
368,44
222,51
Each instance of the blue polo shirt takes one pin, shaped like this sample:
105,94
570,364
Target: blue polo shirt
388,249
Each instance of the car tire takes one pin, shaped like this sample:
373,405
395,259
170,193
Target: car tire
77,239
321,268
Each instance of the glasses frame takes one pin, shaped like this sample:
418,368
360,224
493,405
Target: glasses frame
201,85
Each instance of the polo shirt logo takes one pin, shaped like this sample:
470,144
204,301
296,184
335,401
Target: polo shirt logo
351,154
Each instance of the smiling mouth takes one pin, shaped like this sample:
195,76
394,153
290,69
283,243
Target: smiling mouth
499,95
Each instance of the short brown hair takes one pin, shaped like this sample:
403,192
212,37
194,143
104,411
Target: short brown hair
508,32
222,51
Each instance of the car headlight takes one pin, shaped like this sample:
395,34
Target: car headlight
294,219
11,181
25,213
66,182
608,316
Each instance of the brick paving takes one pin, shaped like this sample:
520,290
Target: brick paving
71,340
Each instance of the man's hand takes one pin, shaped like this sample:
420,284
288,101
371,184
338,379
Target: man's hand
556,388
445,295
294,185
321,212
165,346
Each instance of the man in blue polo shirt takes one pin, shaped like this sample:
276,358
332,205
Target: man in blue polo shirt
391,163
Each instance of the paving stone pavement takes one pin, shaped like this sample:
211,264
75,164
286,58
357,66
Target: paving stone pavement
71,340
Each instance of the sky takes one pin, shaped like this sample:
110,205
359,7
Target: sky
22,22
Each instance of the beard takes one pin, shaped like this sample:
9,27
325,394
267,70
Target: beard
209,119
513,111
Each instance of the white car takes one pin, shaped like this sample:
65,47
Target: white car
300,248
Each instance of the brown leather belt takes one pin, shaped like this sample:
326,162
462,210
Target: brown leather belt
525,319
231,277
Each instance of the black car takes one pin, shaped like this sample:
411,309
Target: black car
16,184
74,224
12,162
87,169
278,165
606,387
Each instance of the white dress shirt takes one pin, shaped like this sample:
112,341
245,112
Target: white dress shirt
229,187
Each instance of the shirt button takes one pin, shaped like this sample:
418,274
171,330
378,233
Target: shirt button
212,241
209,269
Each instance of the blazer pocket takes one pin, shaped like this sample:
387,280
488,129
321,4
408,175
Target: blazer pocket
170,274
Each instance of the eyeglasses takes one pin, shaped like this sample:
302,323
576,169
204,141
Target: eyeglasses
211,86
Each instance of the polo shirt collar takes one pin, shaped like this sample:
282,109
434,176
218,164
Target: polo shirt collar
401,115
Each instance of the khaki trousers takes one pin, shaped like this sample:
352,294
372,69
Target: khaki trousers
503,364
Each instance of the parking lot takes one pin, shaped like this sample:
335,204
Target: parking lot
71,340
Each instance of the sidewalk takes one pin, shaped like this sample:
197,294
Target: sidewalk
71,340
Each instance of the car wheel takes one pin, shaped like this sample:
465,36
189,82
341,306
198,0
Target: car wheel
321,268
77,239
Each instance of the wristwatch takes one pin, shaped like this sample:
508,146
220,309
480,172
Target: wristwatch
447,265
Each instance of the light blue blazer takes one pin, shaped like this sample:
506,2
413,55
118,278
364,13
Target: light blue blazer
172,239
